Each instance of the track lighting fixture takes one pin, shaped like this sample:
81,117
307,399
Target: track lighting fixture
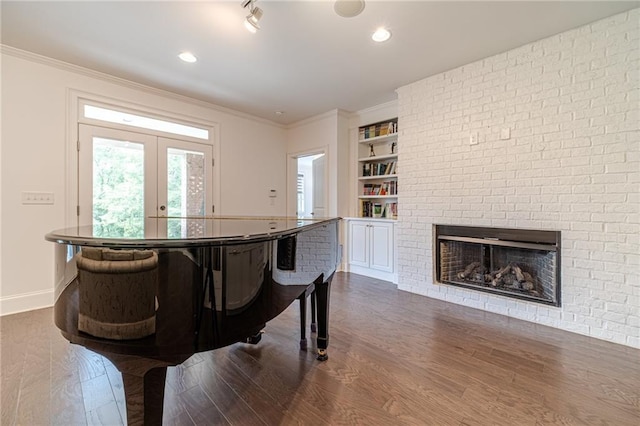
255,13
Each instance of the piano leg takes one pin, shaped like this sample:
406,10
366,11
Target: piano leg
145,396
254,339
314,326
144,381
303,321
322,298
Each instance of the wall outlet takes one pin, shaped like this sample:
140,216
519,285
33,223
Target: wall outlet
37,197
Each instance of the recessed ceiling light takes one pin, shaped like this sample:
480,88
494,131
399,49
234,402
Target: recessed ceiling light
381,34
187,57
348,8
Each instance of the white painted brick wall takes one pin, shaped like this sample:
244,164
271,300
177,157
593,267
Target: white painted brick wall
316,253
572,164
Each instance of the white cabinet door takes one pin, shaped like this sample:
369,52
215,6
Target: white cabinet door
359,244
381,246
371,248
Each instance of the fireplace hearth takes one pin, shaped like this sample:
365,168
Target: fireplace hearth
518,263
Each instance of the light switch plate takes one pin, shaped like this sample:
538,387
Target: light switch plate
473,138
37,197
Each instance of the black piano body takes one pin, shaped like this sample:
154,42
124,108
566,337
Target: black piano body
204,283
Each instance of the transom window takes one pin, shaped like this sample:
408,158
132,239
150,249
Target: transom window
129,119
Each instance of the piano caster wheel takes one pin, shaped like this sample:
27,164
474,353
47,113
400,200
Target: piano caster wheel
314,328
322,355
255,339
303,344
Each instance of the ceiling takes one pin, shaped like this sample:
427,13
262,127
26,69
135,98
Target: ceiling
305,60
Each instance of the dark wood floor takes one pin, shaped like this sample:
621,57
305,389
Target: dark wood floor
394,359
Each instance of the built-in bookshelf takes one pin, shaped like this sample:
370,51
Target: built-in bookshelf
378,169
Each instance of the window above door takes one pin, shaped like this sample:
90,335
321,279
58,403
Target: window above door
111,115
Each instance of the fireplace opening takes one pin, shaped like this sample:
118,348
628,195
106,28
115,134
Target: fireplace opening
519,263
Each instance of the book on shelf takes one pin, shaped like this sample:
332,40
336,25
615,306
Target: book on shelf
378,169
366,208
384,189
377,209
389,168
378,129
388,187
390,210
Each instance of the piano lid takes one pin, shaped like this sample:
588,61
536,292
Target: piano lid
190,231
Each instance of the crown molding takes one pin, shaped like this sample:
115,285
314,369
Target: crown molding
379,107
65,66
329,114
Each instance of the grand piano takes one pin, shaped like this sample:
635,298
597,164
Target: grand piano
204,283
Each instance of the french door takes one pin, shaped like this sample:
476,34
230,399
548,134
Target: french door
126,179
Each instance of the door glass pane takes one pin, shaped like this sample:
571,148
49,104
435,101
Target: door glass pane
118,188
185,191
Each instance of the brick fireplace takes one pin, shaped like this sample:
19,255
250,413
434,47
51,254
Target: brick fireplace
557,128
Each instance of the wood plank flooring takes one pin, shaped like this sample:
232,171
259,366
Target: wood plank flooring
395,358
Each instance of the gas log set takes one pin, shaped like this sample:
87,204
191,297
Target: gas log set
510,277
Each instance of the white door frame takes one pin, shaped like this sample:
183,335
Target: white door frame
292,177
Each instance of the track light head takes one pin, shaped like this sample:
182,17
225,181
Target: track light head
255,13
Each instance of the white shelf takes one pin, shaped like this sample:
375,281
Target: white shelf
380,139
378,177
378,158
377,197
371,219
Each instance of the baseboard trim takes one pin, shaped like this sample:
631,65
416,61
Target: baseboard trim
26,302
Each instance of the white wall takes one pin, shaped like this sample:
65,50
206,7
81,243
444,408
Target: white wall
35,138
326,132
572,164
